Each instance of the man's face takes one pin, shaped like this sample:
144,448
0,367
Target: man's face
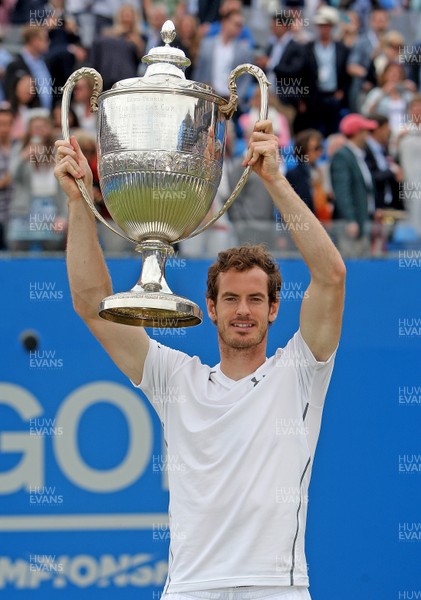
40,43
379,21
233,25
279,27
325,31
360,138
382,134
314,150
242,312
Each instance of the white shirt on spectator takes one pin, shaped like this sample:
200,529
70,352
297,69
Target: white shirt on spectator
222,66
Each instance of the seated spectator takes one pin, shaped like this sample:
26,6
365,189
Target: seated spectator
392,96
156,16
65,53
279,120
21,11
307,176
188,40
390,48
38,207
62,27
411,56
353,186
285,63
81,12
409,152
207,12
56,120
252,214
126,25
366,48
81,104
6,8
30,61
332,145
349,27
104,12
226,7
23,100
5,59
386,173
218,55
6,144
117,53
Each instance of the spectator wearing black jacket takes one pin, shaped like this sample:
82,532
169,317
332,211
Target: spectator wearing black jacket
287,68
328,58
386,173
30,61
307,150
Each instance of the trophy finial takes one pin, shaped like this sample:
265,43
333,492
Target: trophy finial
166,60
168,32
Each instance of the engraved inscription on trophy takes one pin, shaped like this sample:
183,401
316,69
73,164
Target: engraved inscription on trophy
153,123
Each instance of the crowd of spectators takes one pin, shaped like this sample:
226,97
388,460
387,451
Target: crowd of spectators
345,103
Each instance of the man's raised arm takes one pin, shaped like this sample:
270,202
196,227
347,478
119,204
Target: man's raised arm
322,306
88,275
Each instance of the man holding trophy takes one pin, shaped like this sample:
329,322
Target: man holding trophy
246,430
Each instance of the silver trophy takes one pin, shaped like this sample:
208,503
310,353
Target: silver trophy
161,141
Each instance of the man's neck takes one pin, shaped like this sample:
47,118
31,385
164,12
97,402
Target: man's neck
238,363
372,138
356,143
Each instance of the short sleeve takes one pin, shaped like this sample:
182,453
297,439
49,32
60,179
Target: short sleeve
313,375
160,365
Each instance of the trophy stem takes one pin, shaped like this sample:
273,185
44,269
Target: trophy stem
154,256
151,303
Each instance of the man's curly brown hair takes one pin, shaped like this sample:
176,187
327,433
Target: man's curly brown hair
244,258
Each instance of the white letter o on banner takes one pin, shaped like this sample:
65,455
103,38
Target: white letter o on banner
140,437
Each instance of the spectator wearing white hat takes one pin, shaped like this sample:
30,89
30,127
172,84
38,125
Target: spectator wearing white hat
328,58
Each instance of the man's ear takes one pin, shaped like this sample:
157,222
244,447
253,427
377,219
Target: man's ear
273,311
210,305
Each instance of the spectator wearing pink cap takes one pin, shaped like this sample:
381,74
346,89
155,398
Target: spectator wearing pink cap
352,185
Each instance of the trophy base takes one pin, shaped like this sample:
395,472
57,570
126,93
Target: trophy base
150,309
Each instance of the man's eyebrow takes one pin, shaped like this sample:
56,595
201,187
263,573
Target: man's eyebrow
259,294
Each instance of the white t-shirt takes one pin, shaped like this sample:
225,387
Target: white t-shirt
222,64
239,464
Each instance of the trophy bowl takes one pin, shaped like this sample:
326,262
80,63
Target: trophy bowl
160,145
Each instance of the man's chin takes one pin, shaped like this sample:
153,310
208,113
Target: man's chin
242,341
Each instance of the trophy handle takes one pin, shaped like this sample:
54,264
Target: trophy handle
228,110
67,92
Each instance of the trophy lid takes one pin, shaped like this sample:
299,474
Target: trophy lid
165,72
163,59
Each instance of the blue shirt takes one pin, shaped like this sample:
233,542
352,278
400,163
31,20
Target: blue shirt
42,78
326,62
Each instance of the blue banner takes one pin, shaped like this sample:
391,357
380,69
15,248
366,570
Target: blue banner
83,471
